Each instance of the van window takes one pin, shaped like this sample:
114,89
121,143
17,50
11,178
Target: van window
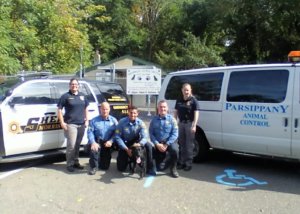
262,86
206,87
34,93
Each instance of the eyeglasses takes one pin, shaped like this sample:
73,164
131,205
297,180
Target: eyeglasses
74,84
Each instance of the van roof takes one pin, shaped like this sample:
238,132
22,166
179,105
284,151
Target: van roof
223,68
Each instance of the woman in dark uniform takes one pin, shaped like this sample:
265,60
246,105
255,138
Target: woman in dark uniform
187,111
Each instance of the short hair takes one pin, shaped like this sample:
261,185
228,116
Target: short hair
161,101
186,84
103,103
73,79
132,108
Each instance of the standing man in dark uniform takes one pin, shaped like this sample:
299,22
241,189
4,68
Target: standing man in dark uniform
163,131
186,109
74,122
100,135
131,131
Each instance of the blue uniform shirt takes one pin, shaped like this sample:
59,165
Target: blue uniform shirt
127,131
100,128
163,129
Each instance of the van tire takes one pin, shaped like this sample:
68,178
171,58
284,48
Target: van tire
201,146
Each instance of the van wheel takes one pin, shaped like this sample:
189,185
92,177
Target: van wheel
201,147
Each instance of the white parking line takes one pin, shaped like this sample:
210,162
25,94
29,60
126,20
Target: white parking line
10,173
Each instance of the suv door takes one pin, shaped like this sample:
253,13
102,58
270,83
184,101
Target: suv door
29,118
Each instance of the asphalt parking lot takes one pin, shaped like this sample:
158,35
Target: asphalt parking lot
226,183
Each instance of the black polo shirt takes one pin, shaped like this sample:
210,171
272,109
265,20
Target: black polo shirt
75,105
185,108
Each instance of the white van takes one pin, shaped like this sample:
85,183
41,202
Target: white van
29,127
251,109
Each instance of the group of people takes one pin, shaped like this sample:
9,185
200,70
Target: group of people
168,144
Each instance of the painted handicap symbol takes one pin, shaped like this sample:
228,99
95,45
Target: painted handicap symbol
230,178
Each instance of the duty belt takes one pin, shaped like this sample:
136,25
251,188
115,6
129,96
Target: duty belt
185,121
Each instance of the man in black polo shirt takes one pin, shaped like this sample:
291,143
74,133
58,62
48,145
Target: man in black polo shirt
74,122
186,109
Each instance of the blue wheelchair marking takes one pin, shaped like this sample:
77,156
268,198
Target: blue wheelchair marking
230,174
149,181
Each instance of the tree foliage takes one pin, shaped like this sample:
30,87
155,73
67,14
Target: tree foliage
44,35
59,35
261,30
191,53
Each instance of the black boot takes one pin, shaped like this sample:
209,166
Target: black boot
151,168
173,171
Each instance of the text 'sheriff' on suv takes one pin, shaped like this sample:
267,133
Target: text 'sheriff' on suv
29,127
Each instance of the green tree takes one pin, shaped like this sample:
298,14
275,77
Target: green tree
45,35
189,41
193,53
120,33
261,30
62,36
8,64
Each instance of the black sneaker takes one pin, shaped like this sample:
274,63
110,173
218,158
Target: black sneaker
78,166
92,171
70,169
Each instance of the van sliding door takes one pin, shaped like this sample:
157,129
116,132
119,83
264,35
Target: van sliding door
257,111
206,88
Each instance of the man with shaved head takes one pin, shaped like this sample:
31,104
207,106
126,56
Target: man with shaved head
100,135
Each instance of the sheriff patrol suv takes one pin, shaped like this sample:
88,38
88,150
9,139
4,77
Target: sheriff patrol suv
29,127
249,109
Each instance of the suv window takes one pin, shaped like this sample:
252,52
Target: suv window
63,87
112,92
262,86
206,87
6,85
97,91
34,93
87,92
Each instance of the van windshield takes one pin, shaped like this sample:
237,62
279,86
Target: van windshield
5,85
113,92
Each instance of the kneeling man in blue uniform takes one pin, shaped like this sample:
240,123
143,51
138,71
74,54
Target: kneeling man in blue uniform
100,135
132,131
163,132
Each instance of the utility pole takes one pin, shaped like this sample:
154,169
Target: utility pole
81,61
